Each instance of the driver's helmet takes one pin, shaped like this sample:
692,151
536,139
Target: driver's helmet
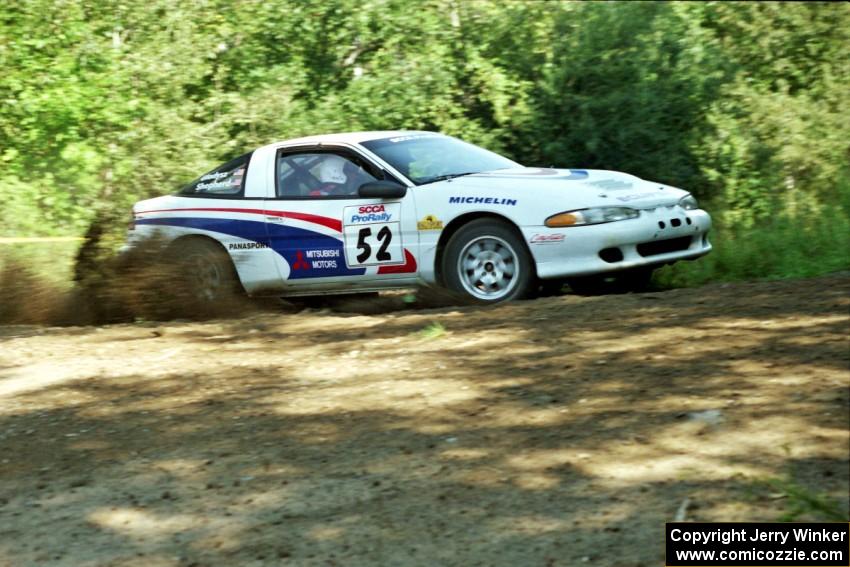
331,170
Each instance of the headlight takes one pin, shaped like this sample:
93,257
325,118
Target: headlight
596,215
688,202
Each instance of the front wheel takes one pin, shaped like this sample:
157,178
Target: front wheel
487,261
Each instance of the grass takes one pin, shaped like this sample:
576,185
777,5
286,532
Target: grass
800,502
778,250
433,331
52,262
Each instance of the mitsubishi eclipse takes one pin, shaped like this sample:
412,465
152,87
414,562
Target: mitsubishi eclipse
371,211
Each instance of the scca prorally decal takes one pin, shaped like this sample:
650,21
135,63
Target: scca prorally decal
482,201
370,213
246,245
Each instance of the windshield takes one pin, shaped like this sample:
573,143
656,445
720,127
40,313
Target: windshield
425,158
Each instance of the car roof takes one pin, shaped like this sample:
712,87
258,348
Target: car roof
351,137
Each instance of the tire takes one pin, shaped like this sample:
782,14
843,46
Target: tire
207,271
634,280
486,261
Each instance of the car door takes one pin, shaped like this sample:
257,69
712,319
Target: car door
326,236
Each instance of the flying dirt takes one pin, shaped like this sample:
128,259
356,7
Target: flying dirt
558,431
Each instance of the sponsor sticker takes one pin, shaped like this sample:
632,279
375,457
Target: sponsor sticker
430,222
368,214
317,259
482,201
246,245
547,238
372,235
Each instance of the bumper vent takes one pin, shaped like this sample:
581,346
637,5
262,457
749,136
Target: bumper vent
664,246
611,255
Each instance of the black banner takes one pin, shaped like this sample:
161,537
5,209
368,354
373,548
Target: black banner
740,544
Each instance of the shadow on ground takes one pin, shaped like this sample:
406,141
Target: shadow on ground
549,432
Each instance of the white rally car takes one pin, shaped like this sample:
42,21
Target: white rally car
371,211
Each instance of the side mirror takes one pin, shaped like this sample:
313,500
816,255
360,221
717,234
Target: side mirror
382,190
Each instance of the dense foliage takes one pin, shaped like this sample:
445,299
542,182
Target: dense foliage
105,102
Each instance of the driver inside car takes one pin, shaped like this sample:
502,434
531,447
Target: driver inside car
336,175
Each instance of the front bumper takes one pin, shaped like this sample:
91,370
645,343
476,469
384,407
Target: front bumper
658,236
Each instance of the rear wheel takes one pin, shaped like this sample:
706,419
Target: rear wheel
487,261
207,271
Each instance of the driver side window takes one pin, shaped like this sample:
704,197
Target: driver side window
317,175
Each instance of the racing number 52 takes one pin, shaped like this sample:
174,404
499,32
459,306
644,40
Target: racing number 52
385,236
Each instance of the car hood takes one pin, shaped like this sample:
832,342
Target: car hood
578,187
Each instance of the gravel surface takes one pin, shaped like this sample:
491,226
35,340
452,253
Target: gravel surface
559,431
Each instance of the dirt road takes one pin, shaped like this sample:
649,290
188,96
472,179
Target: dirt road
560,431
